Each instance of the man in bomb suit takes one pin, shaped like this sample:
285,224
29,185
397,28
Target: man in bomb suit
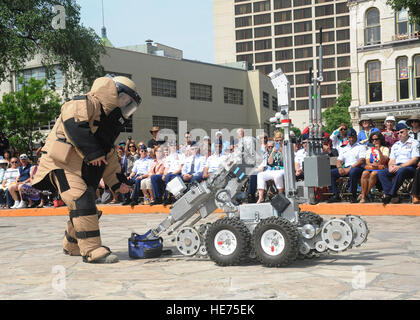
80,151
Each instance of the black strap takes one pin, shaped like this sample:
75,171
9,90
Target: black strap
69,238
62,180
88,234
82,213
83,97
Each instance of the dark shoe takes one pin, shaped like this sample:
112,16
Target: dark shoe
395,200
386,199
133,203
126,202
157,201
333,199
353,199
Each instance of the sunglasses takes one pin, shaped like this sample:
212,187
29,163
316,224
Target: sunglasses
13,162
132,146
343,129
143,151
374,139
401,132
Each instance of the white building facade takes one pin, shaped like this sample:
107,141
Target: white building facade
385,62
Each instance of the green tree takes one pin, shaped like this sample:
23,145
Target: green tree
339,113
412,6
22,113
31,27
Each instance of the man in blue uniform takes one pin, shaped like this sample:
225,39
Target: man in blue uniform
402,164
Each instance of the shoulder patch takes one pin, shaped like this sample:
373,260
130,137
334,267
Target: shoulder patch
84,97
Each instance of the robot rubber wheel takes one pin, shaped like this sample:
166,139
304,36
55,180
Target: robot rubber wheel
228,242
276,242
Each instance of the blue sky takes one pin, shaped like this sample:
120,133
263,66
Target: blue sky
184,24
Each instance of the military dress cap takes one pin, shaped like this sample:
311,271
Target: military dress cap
401,126
413,117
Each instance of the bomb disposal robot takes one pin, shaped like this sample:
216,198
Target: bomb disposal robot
275,233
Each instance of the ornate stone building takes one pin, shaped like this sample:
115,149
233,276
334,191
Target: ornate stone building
385,62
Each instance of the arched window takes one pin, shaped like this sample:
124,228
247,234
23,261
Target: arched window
374,81
401,20
402,78
417,77
372,27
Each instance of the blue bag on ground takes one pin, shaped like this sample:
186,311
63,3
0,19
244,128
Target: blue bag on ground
139,247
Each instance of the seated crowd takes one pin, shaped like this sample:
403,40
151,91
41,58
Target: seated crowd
371,158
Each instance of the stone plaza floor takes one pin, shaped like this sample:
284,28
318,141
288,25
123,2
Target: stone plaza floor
33,266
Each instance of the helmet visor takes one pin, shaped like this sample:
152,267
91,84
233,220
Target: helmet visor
127,104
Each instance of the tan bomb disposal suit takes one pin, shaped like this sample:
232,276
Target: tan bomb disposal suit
91,124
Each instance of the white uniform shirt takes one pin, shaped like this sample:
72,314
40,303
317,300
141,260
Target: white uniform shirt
173,162
351,154
141,166
199,163
300,157
403,152
337,140
213,162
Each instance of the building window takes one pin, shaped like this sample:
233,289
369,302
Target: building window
302,13
324,23
262,32
166,123
343,48
262,19
417,76
298,3
246,57
303,65
303,39
263,57
328,63
327,102
265,69
326,50
328,89
402,22
402,78
343,34
302,92
323,1
342,21
282,16
326,37
163,88
283,29
243,22
303,53
329,76
285,67
275,103
324,10
374,82
301,78
302,104
200,92
263,44
243,9
372,27
244,46
280,4
284,42
243,34
262,6
343,62
343,74
341,8
284,55
266,100
40,74
233,96
128,127
303,26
